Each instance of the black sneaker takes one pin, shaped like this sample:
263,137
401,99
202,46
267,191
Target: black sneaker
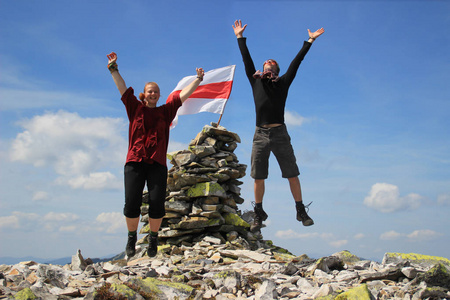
152,246
131,244
302,215
260,216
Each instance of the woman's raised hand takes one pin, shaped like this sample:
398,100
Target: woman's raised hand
112,57
200,73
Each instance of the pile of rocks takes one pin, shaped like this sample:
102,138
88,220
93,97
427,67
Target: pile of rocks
203,192
212,270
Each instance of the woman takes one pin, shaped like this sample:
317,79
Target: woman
147,149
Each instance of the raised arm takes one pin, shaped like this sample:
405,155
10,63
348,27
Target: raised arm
113,68
246,57
187,91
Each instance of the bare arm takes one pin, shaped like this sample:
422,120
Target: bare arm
118,80
187,91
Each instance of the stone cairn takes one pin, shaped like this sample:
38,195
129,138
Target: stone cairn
203,192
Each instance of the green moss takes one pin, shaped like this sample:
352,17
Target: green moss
123,290
153,284
283,256
213,222
418,257
205,189
223,274
358,293
235,220
179,278
437,276
328,297
145,229
25,294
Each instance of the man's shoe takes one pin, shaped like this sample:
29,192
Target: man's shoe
260,216
152,246
131,244
302,215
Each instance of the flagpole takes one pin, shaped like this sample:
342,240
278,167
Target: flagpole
218,122
221,114
223,109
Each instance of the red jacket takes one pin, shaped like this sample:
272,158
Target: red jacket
148,134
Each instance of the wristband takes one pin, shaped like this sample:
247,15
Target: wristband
112,67
201,78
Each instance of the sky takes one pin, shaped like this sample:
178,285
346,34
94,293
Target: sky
368,114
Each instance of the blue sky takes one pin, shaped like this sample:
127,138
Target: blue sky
368,114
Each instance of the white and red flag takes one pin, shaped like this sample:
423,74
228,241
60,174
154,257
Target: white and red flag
210,96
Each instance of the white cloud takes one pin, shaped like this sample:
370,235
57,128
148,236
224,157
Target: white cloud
33,217
60,217
67,228
291,234
338,243
9,222
390,235
423,235
443,199
40,196
92,181
415,236
386,198
111,222
359,236
327,237
80,150
32,221
175,146
291,118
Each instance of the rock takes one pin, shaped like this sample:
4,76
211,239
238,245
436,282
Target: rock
414,258
211,267
266,291
78,263
346,257
202,151
361,293
183,158
438,275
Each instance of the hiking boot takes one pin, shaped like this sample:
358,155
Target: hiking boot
131,244
260,216
302,215
152,246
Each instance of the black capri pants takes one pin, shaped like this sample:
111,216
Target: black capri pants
136,174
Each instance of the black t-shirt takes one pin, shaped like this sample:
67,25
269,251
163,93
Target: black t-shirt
270,96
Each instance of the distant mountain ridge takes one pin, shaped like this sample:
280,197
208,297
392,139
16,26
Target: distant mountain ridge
8,260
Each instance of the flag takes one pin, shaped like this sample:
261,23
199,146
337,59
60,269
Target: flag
210,96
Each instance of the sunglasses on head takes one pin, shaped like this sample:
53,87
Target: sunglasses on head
270,62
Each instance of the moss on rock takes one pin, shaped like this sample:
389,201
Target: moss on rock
358,293
206,189
395,257
25,294
235,220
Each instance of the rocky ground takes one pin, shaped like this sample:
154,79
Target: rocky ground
210,269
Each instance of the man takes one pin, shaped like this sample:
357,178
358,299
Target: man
270,93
